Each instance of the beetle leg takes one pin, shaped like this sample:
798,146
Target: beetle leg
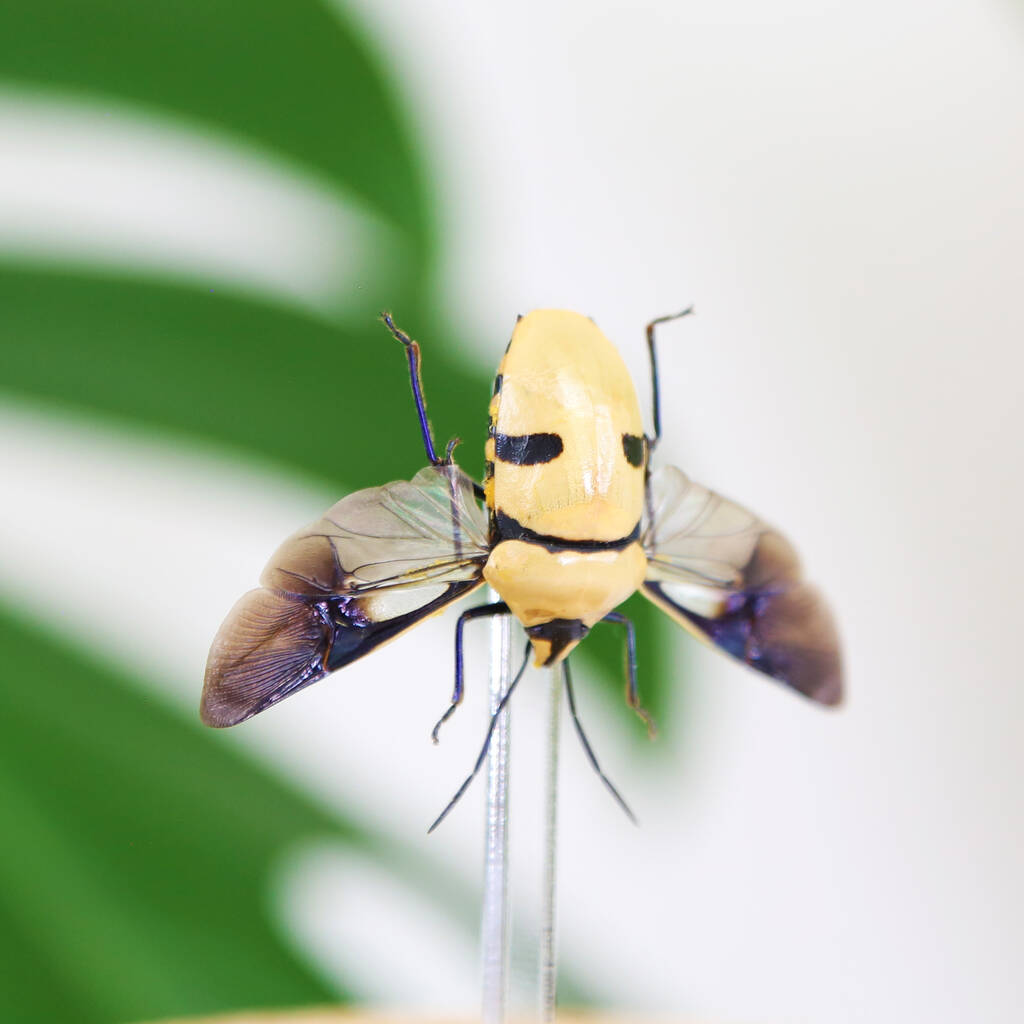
655,390
586,744
449,450
412,351
632,694
479,612
487,740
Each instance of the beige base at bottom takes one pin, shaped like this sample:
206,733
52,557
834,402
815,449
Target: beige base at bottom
328,1016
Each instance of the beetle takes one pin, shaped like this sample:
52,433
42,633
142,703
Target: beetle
569,522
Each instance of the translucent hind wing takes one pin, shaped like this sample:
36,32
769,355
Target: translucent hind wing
380,561
403,534
736,583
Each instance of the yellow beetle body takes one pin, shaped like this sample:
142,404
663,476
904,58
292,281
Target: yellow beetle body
566,463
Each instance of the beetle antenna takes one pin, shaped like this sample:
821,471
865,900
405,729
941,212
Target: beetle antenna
586,745
412,351
655,390
487,743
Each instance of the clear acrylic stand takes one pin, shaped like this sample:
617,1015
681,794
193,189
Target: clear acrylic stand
495,937
496,923
548,945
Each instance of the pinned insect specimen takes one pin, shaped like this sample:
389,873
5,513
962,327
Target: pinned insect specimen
569,522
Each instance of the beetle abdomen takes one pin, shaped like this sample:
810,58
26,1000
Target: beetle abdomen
543,586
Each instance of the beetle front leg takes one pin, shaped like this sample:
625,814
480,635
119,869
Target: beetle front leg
655,389
479,612
412,352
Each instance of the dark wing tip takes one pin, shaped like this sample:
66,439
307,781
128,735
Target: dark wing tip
793,638
819,677
210,714
269,646
831,693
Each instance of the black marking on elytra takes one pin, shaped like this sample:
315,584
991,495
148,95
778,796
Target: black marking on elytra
497,384
559,633
509,528
527,449
634,447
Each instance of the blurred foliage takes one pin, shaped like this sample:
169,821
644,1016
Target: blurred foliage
291,76
331,400
137,846
136,852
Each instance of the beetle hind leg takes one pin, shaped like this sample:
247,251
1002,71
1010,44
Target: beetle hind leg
487,741
632,691
587,748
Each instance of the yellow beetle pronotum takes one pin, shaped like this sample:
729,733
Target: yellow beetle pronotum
574,521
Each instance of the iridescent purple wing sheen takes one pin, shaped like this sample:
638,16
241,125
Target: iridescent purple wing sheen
736,583
380,561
